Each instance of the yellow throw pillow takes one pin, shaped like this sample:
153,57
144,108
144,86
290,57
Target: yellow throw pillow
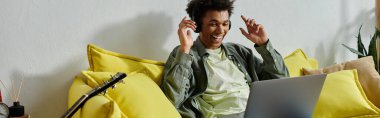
342,96
139,97
100,107
297,60
368,76
96,107
102,60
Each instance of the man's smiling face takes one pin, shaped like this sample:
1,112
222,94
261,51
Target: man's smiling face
215,25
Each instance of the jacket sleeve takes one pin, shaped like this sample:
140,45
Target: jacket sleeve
176,77
272,66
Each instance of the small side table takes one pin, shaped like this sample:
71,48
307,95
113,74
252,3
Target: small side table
24,116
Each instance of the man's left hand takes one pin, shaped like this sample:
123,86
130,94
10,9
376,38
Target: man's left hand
256,32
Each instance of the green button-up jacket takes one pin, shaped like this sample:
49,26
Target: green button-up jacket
185,74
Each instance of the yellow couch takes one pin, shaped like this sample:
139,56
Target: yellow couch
141,97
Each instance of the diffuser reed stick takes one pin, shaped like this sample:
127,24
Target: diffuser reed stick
9,93
13,89
19,89
13,96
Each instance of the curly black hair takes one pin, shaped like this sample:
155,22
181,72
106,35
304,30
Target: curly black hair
196,9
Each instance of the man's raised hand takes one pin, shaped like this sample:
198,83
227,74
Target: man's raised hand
184,34
256,32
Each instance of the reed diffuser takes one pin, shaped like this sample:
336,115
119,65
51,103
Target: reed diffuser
17,109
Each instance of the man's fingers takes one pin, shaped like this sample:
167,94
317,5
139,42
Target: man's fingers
184,21
244,18
252,22
243,32
187,25
258,28
249,22
191,26
189,22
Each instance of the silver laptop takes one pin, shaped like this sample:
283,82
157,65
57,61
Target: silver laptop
284,98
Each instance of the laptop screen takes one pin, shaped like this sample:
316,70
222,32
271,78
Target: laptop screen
286,97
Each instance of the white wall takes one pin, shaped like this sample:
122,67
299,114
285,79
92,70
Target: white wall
44,41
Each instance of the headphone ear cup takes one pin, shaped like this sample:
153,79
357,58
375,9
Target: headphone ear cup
229,25
198,29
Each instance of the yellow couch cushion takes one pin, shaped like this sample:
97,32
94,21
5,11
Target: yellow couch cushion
298,60
368,76
342,96
101,107
102,60
139,97
96,107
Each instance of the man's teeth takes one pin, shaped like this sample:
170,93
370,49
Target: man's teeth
217,37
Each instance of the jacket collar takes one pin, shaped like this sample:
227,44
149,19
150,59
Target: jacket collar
200,48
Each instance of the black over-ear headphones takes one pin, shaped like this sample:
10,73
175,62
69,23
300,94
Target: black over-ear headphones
199,23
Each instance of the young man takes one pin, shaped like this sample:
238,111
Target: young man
209,78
